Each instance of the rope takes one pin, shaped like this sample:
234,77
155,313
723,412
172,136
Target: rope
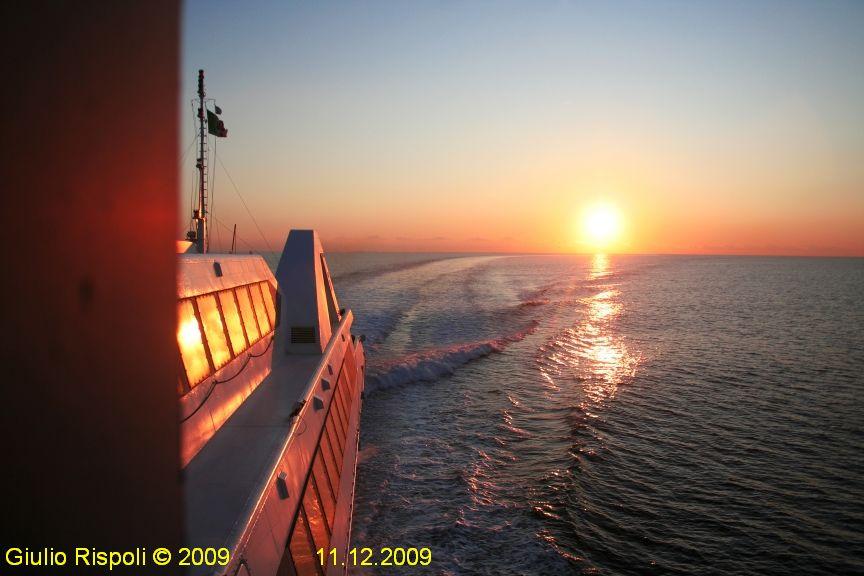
183,157
217,382
182,162
218,237
193,197
237,190
212,181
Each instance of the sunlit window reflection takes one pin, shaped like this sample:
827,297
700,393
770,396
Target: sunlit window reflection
248,314
191,344
267,290
232,320
214,330
258,305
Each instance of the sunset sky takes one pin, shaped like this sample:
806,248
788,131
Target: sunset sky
723,127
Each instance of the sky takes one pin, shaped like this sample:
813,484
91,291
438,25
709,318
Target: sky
707,127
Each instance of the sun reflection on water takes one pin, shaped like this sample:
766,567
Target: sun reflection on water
599,267
592,352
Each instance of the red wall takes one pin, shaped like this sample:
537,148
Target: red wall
88,419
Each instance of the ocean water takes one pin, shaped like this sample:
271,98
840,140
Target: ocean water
610,414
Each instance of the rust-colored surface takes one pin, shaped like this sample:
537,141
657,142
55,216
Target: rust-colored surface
89,163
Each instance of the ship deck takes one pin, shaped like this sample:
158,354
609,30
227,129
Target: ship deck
224,479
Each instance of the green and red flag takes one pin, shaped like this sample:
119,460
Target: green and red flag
215,125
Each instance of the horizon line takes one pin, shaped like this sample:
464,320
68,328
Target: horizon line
594,253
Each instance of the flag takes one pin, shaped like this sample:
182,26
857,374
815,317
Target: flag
216,126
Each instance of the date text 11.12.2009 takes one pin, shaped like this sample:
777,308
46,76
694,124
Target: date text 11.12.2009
383,556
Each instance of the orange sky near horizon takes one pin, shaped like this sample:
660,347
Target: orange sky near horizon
658,215
734,128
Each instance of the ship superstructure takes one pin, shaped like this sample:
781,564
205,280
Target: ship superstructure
270,383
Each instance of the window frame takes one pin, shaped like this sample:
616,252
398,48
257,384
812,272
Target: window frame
245,343
318,464
185,385
310,542
331,432
311,491
245,289
260,311
203,340
269,300
225,336
337,473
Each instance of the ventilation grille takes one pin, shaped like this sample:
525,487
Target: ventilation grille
302,335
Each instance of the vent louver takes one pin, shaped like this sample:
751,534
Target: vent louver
302,335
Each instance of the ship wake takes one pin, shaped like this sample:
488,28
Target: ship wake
431,365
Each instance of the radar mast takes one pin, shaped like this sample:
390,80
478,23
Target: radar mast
199,216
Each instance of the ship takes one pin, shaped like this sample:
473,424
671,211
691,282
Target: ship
270,389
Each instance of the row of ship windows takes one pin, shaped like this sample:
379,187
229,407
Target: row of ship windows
213,329
313,524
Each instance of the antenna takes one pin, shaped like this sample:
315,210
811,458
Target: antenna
200,215
234,239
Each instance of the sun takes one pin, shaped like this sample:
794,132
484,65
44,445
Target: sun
601,225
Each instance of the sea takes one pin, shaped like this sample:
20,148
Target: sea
604,414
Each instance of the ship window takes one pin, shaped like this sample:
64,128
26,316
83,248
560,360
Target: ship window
345,416
302,548
182,382
339,425
267,290
191,344
349,394
336,439
247,314
332,308
214,330
350,369
286,566
334,444
345,411
232,321
329,453
315,515
346,402
260,311
345,396
322,480
338,418
339,397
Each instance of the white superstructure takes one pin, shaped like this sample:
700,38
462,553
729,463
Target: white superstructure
270,383
271,390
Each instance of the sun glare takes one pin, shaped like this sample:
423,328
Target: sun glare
601,225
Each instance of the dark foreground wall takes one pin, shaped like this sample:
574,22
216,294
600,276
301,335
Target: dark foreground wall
88,422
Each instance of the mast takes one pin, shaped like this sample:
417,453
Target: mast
200,215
